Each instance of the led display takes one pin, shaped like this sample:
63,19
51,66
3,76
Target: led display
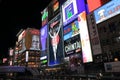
55,41
93,5
85,40
55,5
27,55
43,43
44,16
71,30
53,9
70,10
107,11
32,38
44,57
11,52
4,60
35,43
22,35
72,43
44,61
43,38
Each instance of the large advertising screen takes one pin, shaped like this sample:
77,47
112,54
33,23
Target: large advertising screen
29,40
32,39
44,16
55,41
71,30
107,11
72,43
70,10
35,43
85,40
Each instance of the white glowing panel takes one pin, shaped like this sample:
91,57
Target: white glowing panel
86,47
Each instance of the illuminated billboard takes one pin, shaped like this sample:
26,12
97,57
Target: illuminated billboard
55,5
72,43
43,43
71,30
107,11
43,38
11,52
29,40
92,5
21,36
44,16
27,55
53,9
35,43
55,41
71,9
85,40
32,39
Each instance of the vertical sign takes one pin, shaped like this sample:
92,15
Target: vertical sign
27,56
55,41
85,40
95,42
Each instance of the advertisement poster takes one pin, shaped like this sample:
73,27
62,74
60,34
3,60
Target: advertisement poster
72,46
71,30
35,43
70,10
85,40
72,43
107,11
44,16
55,41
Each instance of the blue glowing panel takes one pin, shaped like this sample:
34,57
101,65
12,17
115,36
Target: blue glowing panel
107,11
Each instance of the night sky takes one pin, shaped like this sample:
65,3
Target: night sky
16,15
